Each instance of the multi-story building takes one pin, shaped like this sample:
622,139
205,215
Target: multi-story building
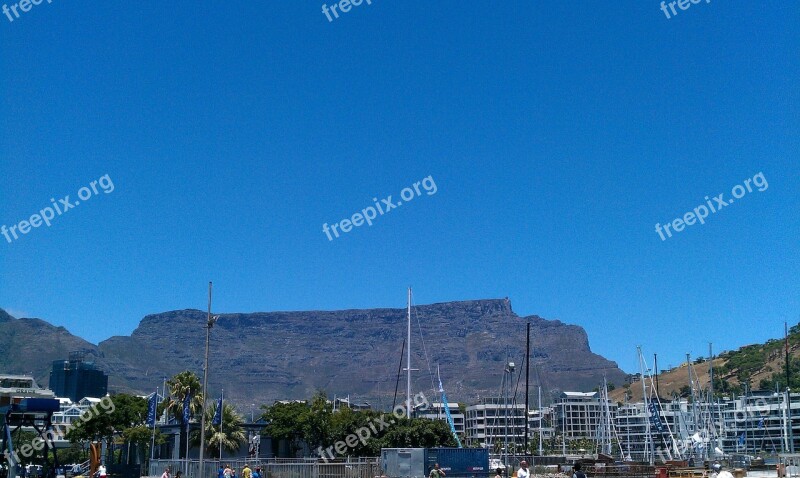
757,423
541,422
437,412
70,411
638,432
76,379
578,415
494,422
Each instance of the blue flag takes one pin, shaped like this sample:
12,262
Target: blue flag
655,418
152,405
186,414
218,414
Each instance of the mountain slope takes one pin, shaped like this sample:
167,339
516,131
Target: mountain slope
260,357
759,366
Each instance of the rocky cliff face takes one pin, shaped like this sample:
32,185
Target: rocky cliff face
260,357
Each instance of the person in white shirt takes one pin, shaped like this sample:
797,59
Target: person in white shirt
719,472
523,470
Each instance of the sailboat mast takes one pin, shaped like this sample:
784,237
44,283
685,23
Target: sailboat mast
790,431
649,442
408,359
527,376
541,417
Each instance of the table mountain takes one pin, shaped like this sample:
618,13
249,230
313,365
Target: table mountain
261,357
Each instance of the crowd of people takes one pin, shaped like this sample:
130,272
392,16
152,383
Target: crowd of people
224,472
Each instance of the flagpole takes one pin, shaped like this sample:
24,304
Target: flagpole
187,449
186,416
153,438
221,416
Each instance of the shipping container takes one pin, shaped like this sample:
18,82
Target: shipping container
418,462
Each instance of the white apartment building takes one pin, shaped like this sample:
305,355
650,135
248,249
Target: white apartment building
494,422
437,412
578,415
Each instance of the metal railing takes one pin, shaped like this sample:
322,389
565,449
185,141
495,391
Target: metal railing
271,468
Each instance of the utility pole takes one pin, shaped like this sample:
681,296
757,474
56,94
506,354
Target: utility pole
527,376
655,366
209,324
788,391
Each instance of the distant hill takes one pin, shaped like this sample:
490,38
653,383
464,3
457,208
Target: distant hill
260,357
759,366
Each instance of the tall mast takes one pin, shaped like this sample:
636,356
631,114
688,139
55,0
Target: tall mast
790,433
541,417
408,359
711,372
655,367
527,376
649,439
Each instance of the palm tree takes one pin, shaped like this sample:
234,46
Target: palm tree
230,437
181,385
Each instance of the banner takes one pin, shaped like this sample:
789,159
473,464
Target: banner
186,413
152,406
218,413
655,419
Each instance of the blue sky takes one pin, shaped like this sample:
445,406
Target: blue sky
557,133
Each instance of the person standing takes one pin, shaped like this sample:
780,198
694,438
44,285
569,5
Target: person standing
523,470
498,473
247,472
101,472
257,472
227,472
166,473
577,473
720,472
221,471
436,472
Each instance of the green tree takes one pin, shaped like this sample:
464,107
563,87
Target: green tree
316,424
104,421
182,385
284,421
140,437
416,433
230,436
74,454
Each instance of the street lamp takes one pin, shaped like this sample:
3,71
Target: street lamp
210,323
510,371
